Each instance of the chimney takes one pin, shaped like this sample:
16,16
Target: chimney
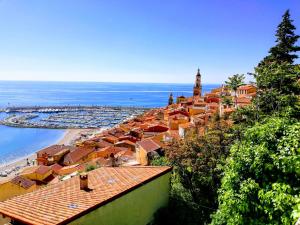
84,181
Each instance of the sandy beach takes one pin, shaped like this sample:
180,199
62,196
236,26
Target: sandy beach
69,138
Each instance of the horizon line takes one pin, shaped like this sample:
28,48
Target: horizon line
86,81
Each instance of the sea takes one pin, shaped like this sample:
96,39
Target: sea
16,143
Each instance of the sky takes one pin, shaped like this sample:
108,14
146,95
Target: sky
158,41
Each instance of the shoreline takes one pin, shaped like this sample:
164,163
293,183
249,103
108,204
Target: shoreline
69,137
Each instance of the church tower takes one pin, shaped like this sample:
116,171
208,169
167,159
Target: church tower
198,86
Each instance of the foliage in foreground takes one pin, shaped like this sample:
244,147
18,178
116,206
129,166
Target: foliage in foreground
262,176
197,170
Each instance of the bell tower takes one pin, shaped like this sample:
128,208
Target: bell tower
198,86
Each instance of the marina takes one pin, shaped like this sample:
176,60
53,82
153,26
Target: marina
67,117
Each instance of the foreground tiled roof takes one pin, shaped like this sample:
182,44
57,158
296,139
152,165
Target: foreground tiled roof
63,202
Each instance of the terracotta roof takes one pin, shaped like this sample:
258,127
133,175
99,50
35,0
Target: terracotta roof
149,145
116,132
128,137
110,138
123,153
103,144
228,110
52,150
246,87
176,112
70,169
212,104
200,104
77,155
22,182
111,150
186,125
64,202
243,100
56,167
178,116
126,142
43,169
157,128
36,169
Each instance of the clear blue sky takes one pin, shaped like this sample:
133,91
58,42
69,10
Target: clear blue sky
136,40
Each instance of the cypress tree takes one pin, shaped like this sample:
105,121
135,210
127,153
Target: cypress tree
285,49
276,76
171,100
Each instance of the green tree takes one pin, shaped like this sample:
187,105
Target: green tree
90,168
226,100
262,176
197,165
285,49
277,78
234,83
278,89
171,100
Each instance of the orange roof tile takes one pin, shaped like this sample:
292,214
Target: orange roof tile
149,145
36,169
186,125
76,155
70,169
243,100
110,150
246,87
22,182
229,110
52,150
64,202
103,144
56,167
126,142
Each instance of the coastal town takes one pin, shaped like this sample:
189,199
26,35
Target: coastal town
150,113
130,144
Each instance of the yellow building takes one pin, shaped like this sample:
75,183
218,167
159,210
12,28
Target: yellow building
184,128
16,186
146,150
38,173
180,99
177,119
247,89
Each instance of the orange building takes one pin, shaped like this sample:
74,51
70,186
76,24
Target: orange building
246,90
147,149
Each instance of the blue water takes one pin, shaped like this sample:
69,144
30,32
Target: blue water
22,93
19,142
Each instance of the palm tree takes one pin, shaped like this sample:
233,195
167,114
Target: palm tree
234,83
226,101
